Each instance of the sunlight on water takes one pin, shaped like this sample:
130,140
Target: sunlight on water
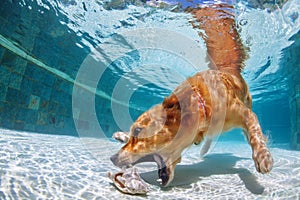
98,23
265,33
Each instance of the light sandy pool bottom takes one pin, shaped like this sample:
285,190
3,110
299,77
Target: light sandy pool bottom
38,166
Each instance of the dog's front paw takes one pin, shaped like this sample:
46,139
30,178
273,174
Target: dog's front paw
121,136
263,160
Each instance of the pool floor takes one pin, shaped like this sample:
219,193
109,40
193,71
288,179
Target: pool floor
39,166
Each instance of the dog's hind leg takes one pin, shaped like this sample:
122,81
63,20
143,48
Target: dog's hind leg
261,155
206,146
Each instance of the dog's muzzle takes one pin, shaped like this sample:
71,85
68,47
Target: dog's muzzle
163,170
119,163
114,159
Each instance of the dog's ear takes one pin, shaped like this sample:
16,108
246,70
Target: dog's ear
172,109
171,102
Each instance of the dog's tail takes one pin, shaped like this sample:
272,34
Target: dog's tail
224,46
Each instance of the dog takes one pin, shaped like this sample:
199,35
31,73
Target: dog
203,106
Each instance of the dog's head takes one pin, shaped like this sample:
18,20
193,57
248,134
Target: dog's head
162,133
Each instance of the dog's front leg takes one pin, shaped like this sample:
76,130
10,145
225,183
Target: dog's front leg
261,154
121,136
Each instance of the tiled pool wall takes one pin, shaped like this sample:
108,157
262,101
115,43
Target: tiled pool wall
292,64
32,98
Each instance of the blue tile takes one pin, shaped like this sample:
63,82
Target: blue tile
57,84
52,107
34,102
16,97
61,97
8,59
34,72
29,127
46,92
48,79
3,91
9,112
26,85
27,115
7,123
23,99
66,87
60,110
4,75
43,118
20,66
15,80
19,125
44,105
12,95
36,88
1,53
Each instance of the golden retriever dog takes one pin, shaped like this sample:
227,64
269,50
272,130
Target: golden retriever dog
203,106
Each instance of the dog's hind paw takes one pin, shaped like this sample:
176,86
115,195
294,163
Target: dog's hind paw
263,160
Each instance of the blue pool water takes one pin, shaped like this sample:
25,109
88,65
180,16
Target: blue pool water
74,72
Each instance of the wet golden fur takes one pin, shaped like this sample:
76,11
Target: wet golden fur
204,105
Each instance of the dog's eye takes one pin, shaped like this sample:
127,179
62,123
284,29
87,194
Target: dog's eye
136,131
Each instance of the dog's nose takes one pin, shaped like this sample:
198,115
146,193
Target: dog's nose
114,159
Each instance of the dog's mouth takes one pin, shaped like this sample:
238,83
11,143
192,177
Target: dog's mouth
163,170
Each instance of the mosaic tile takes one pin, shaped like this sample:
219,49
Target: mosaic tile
34,72
26,115
61,98
4,75
36,88
23,99
7,123
46,92
20,66
44,105
27,85
65,87
52,107
12,95
56,120
15,81
9,111
42,118
29,127
1,53
69,112
34,102
19,125
8,59
57,84
3,91
48,79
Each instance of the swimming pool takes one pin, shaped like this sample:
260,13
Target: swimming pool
74,72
